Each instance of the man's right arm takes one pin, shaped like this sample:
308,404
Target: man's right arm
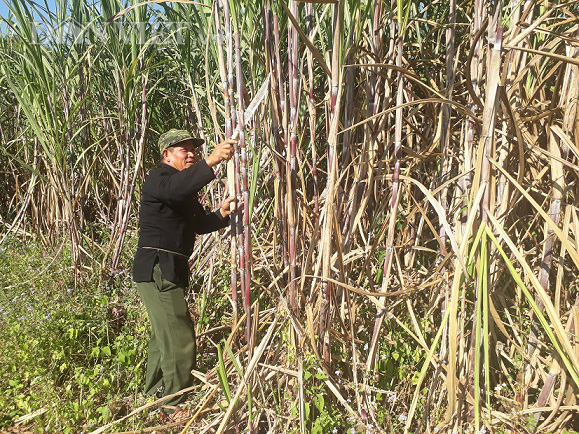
173,188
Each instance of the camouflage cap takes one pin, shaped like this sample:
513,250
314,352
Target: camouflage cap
173,136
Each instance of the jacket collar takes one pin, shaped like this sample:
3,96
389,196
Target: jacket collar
169,168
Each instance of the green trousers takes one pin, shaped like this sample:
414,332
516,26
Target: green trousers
172,349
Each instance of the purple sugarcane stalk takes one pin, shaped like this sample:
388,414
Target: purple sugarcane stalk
372,100
228,133
231,95
276,129
293,80
244,251
312,111
446,131
283,132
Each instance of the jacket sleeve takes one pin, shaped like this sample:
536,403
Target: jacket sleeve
174,188
208,222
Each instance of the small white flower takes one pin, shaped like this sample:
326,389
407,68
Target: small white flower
338,373
392,398
402,418
366,346
335,431
498,387
482,431
353,430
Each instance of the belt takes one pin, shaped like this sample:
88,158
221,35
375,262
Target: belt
165,250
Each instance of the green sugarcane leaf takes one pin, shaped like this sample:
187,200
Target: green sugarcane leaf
486,319
240,372
233,359
222,373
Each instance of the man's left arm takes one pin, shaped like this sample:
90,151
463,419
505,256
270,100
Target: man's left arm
213,221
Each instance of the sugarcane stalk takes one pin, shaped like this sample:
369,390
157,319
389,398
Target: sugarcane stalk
312,111
446,164
244,250
394,203
349,103
235,161
324,324
275,131
230,166
373,95
282,140
293,80
456,346
365,177
483,176
446,130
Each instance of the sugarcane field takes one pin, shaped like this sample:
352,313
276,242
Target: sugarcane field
289,216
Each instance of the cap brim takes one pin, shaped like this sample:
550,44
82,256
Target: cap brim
196,142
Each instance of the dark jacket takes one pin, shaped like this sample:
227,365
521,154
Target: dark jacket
170,218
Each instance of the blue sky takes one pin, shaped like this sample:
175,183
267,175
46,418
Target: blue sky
49,3
4,7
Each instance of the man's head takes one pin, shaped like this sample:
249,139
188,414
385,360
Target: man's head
179,149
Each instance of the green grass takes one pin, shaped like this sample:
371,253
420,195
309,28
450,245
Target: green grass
77,352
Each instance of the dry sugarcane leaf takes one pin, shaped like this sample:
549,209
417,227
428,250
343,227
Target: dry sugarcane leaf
546,155
441,215
566,139
545,53
531,27
543,214
549,384
548,305
142,408
460,108
248,372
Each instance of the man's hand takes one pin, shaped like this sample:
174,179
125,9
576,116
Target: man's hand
222,152
225,209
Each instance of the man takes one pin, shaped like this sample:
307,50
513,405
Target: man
170,217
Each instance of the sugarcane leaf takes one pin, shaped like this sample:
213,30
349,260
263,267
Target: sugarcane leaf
570,248
559,339
423,372
441,215
222,373
233,358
